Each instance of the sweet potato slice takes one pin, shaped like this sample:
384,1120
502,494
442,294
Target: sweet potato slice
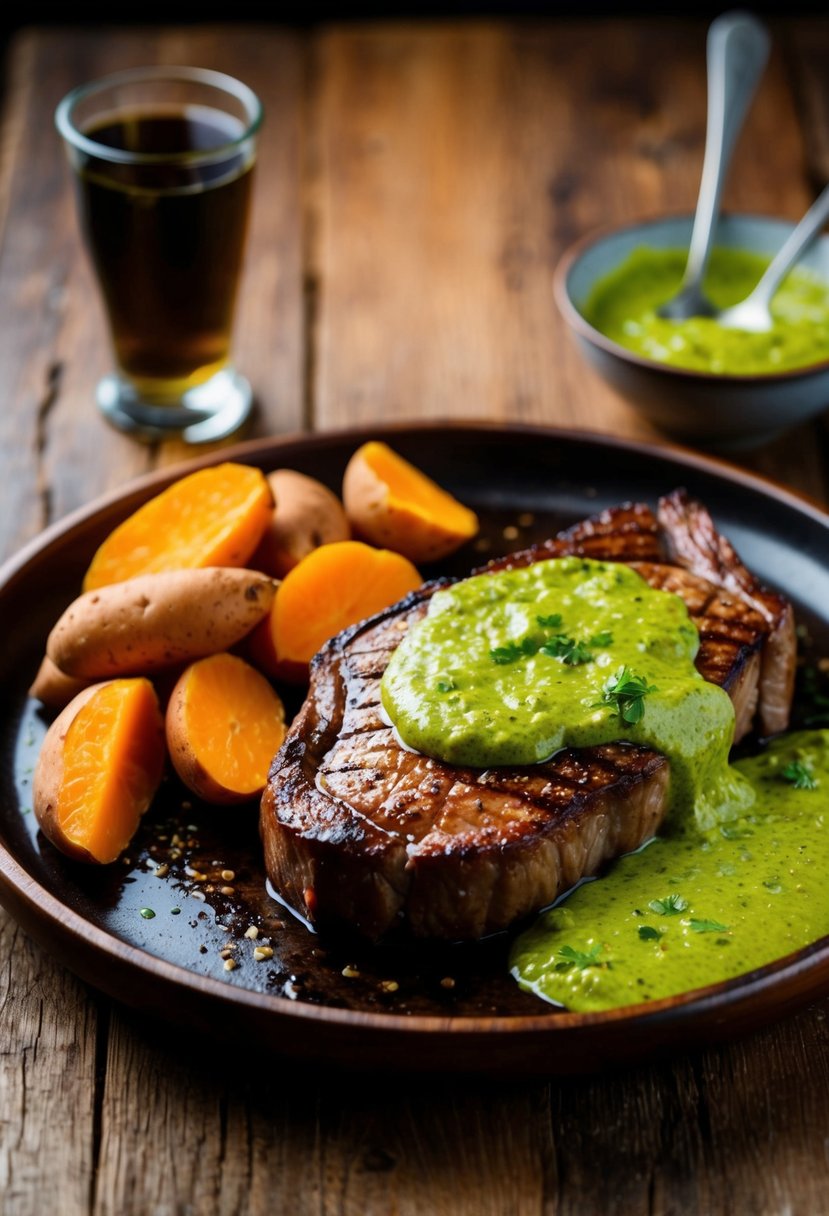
332,588
215,517
99,768
393,504
224,725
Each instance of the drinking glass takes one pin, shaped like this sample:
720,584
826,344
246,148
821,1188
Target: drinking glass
163,162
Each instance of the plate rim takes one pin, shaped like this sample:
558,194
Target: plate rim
18,886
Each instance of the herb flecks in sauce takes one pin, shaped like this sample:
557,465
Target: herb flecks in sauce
623,306
516,704
752,892
555,646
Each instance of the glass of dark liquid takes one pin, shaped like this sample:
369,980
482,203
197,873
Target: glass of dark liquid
163,161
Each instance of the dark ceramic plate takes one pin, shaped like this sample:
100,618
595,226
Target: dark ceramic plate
198,869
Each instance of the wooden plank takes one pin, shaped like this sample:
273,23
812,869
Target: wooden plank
47,1081
457,165
711,1133
48,352
224,1133
48,1046
807,48
454,177
732,1129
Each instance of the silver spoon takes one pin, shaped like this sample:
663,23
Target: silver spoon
754,312
737,51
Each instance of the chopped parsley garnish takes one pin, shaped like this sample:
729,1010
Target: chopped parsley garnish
515,650
567,649
446,685
647,933
671,905
581,959
550,622
559,646
626,692
707,926
799,775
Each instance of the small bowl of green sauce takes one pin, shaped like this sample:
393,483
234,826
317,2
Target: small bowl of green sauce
696,379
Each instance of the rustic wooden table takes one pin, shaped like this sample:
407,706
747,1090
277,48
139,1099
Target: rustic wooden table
416,187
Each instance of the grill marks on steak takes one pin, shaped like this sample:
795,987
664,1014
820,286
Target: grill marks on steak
731,636
361,831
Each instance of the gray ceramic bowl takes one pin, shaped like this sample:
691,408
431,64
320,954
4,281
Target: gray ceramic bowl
707,408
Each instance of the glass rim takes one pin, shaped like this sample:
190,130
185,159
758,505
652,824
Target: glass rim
217,80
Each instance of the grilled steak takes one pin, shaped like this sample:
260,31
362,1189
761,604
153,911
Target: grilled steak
747,636
360,831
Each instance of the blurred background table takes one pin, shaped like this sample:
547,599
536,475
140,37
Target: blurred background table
417,184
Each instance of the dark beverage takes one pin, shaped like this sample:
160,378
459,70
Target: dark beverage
166,235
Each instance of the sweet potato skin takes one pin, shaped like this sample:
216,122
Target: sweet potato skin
307,515
53,687
155,621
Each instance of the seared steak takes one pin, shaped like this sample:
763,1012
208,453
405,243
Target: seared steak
360,831
741,624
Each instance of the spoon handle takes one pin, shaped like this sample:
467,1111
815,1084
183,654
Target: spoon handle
738,48
791,249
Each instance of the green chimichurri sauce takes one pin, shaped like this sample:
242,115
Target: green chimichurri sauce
507,668
694,908
623,307
497,673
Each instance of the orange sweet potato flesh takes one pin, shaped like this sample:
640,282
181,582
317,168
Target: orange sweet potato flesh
99,768
215,517
335,586
224,725
394,505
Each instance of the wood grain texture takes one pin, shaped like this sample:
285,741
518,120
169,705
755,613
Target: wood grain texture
250,1137
47,1081
717,1132
416,187
702,1134
807,47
